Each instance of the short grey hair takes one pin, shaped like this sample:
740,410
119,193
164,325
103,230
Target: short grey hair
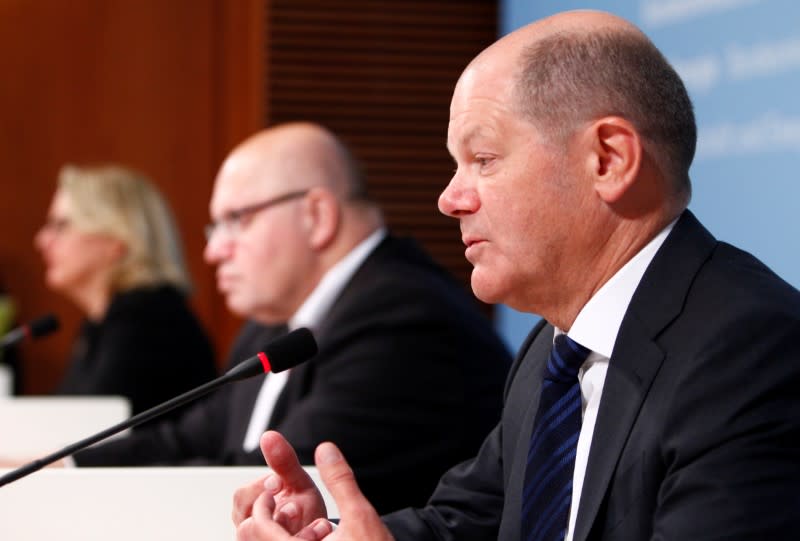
573,77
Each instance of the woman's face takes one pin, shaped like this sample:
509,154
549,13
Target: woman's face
75,261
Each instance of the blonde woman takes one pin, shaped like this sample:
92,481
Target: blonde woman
110,245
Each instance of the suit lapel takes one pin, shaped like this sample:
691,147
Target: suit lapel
529,380
301,376
630,373
636,358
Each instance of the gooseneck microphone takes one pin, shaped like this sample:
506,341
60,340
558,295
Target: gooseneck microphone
37,328
287,351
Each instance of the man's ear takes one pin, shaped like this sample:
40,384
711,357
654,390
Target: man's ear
615,156
321,217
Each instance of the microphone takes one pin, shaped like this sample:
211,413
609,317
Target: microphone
37,328
281,354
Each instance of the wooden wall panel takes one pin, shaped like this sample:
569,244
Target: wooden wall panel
148,83
381,75
171,86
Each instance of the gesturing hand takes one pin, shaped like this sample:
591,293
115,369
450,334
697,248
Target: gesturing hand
287,506
287,495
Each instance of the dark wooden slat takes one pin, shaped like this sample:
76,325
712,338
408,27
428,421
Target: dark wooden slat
381,74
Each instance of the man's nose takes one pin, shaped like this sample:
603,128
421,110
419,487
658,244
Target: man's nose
458,199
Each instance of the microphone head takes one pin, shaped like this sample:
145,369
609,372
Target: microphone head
290,350
285,352
43,326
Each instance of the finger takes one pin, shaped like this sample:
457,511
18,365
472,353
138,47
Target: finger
260,525
262,508
283,460
294,514
273,483
252,530
245,530
316,531
243,500
338,477
289,517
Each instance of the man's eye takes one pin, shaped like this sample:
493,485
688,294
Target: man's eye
233,218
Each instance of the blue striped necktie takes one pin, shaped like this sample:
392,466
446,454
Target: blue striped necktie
547,492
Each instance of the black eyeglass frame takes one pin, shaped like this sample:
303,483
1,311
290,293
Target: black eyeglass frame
233,218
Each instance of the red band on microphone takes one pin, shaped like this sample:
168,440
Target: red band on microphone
264,361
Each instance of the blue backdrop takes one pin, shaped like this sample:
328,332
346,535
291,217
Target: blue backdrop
740,60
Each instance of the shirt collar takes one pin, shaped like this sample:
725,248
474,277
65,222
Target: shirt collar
598,322
313,310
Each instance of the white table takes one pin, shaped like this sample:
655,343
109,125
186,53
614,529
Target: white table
126,504
34,426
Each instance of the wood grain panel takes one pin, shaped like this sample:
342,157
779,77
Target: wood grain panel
171,86
381,75
146,83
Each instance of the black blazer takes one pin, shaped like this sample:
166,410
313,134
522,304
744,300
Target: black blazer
698,432
408,381
149,347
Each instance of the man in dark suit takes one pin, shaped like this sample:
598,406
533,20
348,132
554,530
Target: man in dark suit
573,139
409,374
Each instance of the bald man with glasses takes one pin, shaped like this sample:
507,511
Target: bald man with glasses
409,374
231,222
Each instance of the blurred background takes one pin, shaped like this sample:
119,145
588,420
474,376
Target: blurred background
170,86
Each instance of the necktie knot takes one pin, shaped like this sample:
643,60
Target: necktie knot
566,359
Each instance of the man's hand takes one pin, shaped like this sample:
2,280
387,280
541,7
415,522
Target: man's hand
291,501
287,495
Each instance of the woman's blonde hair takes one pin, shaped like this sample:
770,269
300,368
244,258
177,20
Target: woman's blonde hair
124,204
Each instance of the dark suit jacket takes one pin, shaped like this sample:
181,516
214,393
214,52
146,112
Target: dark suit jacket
408,380
698,432
149,347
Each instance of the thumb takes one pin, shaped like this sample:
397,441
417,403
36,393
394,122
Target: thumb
358,519
338,477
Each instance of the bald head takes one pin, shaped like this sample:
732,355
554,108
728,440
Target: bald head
288,204
298,156
577,21
578,66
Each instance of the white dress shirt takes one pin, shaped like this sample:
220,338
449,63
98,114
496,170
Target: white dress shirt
596,328
310,314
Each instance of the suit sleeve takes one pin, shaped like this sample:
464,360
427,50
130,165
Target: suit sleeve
469,500
467,504
731,450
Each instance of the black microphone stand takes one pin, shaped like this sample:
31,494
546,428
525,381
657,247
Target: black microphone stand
283,353
119,427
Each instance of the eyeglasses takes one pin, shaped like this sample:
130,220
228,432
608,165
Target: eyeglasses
231,223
